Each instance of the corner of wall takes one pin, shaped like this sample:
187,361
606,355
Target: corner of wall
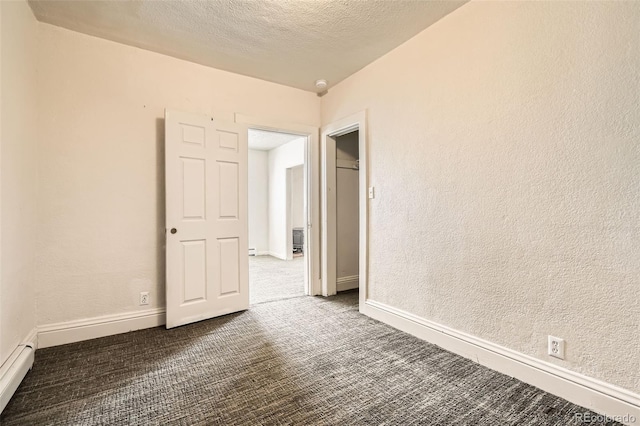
18,174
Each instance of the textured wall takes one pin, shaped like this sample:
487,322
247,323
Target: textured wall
101,162
259,200
18,176
504,148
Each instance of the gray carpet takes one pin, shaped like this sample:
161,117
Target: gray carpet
298,361
275,279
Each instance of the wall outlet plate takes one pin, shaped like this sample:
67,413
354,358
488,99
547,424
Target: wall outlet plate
556,347
144,298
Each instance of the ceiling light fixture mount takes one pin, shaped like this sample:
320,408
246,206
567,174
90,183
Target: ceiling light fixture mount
321,85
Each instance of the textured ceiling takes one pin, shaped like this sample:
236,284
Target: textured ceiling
263,140
292,42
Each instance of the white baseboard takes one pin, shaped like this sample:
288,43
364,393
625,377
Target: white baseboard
91,328
16,367
347,283
32,339
280,256
262,253
596,395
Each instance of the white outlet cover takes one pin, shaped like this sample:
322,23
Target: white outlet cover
555,347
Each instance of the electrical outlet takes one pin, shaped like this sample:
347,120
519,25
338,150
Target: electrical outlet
144,298
556,347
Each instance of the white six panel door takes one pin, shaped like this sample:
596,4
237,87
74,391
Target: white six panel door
206,218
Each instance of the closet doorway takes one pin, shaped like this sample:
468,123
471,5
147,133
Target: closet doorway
344,198
347,211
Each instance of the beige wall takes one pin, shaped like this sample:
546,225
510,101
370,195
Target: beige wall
259,200
18,174
101,222
504,148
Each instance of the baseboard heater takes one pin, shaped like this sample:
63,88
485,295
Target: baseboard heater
13,371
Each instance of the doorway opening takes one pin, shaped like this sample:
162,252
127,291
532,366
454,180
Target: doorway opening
344,203
347,211
277,211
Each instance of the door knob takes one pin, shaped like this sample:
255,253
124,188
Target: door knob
174,230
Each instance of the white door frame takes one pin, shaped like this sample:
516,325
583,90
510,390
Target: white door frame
312,282
346,125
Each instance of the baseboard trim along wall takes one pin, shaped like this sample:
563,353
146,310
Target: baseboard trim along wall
280,256
91,328
347,283
596,395
16,367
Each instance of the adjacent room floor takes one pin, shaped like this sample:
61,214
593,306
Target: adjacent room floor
299,361
274,279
